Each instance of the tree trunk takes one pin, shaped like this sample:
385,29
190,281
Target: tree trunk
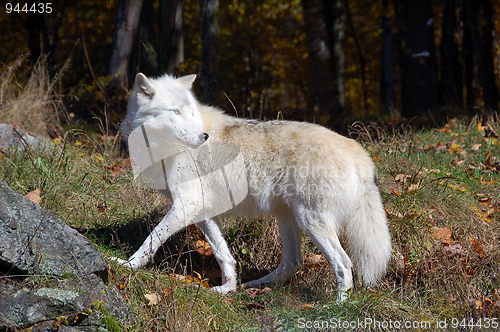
327,94
129,12
387,90
486,48
421,58
335,30
209,82
361,58
37,35
148,57
469,20
171,51
451,71
478,52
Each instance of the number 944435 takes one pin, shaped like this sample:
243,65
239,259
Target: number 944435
36,7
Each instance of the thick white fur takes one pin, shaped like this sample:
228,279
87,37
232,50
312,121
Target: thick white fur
311,179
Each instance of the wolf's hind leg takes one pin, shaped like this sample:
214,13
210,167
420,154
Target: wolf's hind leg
292,258
330,246
213,235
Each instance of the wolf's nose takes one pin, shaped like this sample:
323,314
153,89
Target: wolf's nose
206,136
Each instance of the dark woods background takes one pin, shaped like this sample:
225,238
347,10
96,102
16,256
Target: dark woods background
324,61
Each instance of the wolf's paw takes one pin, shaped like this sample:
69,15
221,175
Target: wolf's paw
343,295
127,263
224,289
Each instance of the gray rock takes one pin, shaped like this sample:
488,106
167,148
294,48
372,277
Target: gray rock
33,241
77,304
13,139
74,295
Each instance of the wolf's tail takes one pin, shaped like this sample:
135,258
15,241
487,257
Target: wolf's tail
367,236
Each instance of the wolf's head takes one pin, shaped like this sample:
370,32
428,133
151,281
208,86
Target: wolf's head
167,106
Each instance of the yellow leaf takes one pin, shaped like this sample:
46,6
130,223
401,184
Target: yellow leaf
98,158
459,188
478,212
203,248
492,140
57,141
190,279
454,148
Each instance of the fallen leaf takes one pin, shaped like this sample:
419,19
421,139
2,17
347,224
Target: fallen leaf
478,248
308,306
395,192
479,304
480,127
253,305
413,187
253,292
443,234
314,262
188,279
469,273
391,213
153,298
478,212
456,187
454,148
97,158
486,200
491,211
475,147
457,162
203,248
34,196
168,291
401,178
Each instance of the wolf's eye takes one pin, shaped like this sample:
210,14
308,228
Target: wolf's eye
177,111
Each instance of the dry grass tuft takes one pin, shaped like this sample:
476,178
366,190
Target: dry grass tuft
34,106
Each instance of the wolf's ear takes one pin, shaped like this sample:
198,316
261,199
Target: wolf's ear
144,86
187,80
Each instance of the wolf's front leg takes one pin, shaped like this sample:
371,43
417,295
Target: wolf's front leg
213,235
175,220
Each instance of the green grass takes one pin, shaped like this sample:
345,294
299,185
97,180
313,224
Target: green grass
430,179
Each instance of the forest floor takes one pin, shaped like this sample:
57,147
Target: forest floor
441,191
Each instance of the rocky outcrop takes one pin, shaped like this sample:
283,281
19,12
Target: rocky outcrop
13,139
51,277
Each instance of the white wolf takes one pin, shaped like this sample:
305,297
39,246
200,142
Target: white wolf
311,179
